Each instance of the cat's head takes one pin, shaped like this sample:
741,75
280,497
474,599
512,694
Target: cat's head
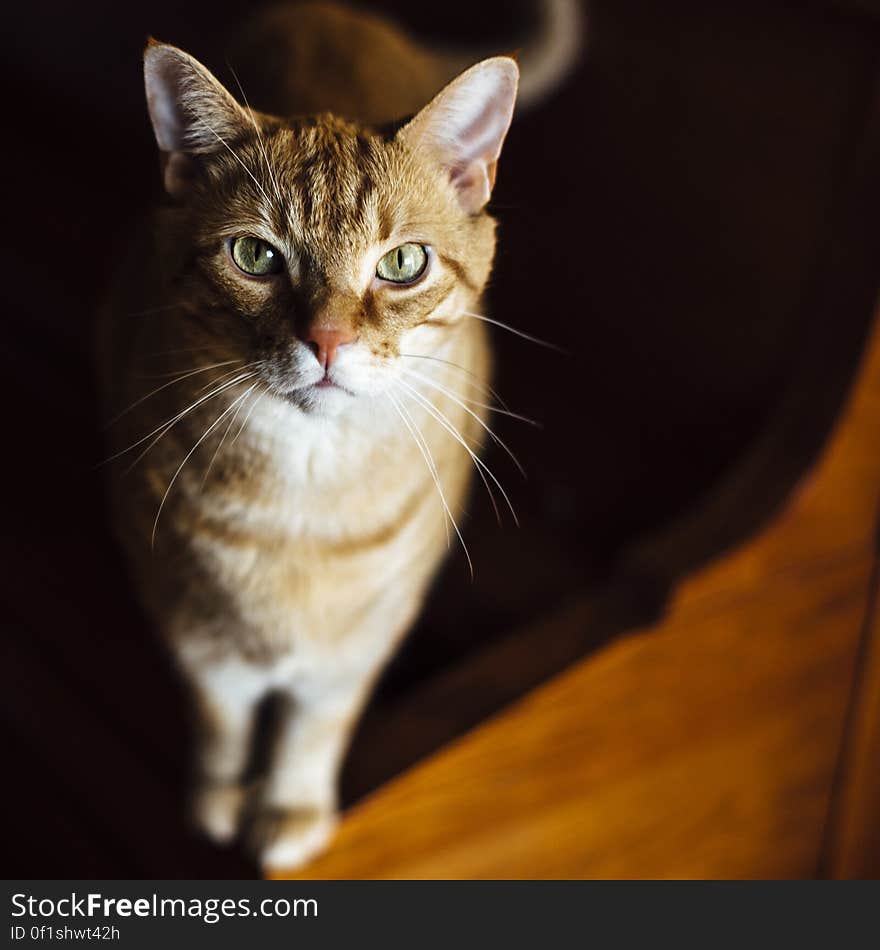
321,251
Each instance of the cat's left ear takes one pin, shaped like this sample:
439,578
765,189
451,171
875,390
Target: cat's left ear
463,128
191,112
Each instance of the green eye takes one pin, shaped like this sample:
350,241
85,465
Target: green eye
403,264
256,257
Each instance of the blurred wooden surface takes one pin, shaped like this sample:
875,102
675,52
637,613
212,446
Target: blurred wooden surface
705,747
853,840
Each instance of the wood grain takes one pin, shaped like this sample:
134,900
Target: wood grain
853,841
705,747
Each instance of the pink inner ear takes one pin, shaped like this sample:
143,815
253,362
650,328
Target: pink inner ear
482,139
464,127
472,183
188,107
164,81
474,156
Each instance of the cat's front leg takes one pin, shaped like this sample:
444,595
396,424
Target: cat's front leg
226,696
297,816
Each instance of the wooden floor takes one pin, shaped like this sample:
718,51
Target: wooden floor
709,746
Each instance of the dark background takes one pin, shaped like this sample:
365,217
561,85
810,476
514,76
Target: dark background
668,217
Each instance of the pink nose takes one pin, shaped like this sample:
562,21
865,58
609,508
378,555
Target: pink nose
324,343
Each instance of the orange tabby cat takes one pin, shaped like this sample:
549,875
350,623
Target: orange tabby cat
297,348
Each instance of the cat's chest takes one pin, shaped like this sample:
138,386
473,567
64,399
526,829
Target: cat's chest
314,481
311,519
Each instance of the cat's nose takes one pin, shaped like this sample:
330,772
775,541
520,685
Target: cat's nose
325,343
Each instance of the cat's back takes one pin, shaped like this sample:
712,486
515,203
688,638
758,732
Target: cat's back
310,57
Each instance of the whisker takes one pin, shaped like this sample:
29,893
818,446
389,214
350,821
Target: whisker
247,417
202,438
176,418
482,468
174,421
497,439
450,428
427,455
178,379
226,433
473,402
269,168
423,447
226,375
515,332
474,380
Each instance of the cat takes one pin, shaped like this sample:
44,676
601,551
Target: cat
298,366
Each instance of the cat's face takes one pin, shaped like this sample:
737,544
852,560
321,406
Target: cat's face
342,253
322,253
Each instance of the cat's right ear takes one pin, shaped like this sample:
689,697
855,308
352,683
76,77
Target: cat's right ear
462,129
191,112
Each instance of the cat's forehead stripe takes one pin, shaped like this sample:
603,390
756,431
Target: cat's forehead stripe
328,176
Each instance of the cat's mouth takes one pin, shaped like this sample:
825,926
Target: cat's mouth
307,393
327,382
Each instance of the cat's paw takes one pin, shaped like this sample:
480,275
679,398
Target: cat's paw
286,839
217,809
